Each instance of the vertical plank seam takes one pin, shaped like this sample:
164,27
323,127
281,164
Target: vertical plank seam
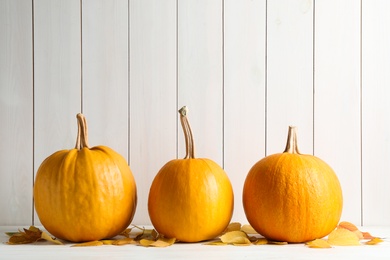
81,59
361,114
33,104
314,74
266,79
128,84
223,82
177,77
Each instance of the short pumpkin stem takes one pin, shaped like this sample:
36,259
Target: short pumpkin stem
190,149
292,143
82,133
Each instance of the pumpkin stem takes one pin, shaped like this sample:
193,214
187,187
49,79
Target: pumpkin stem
190,150
82,133
292,143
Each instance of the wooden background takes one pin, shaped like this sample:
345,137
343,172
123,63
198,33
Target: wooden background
247,69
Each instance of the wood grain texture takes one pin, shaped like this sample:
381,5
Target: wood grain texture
16,116
244,92
105,100
200,76
289,73
57,74
246,70
153,127
337,107
375,108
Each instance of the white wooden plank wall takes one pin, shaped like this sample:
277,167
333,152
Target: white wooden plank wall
246,69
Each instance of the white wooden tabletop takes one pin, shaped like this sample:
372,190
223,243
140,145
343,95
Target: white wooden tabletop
196,250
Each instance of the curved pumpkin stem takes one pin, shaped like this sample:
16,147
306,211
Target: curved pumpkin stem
292,143
190,150
82,133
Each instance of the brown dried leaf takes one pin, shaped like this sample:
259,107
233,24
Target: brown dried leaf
150,234
343,237
126,232
30,235
235,237
318,243
248,229
90,243
374,241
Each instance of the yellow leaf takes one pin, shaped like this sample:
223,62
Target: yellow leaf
146,242
351,227
261,241
374,241
318,243
234,226
280,243
47,237
215,243
90,243
163,242
235,237
108,241
248,229
343,237
124,241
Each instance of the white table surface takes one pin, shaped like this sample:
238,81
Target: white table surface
196,250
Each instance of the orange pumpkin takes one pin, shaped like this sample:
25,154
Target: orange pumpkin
190,199
85,194
292,197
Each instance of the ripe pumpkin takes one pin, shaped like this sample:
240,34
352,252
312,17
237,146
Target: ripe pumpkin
190,199
292,197
85,194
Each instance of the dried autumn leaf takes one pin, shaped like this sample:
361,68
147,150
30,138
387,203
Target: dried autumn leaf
126,232
347,225
163,242
279,243
261,241
30,235
374,241
234,226
108,241
215,243
146,242
150,234
351,227
343,237
124,241
90,243
367,235
318,243
235,237
47,237
248,229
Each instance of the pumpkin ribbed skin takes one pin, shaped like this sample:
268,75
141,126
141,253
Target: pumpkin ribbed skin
292,197
84,195
191,200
